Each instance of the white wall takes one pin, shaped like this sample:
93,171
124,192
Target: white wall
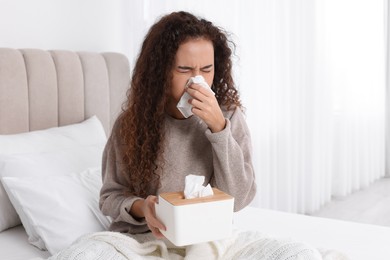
79,25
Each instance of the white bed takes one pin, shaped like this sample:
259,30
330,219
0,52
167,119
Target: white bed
357,241
40,90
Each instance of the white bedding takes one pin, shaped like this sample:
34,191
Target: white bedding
357,241
14,245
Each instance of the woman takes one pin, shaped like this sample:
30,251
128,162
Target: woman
153,146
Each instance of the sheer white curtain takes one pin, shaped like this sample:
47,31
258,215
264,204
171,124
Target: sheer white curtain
387,43
354,34
311,76
290,107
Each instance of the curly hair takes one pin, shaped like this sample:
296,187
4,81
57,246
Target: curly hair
141,122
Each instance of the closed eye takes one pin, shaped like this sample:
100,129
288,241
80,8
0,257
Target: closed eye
183,69
207,68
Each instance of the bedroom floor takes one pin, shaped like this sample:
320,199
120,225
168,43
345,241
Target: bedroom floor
370,205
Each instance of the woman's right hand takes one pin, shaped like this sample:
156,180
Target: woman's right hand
149,213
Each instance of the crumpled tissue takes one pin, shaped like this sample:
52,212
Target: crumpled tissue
183,105
194,187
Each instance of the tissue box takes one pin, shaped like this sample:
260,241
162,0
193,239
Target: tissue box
191,221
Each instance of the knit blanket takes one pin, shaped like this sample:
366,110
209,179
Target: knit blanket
242,245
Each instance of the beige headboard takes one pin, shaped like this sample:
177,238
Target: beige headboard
41,89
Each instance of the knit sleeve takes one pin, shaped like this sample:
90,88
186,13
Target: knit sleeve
232,160
113,201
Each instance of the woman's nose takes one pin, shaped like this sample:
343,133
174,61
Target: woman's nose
195,73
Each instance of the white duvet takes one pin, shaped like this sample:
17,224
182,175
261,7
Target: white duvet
242,245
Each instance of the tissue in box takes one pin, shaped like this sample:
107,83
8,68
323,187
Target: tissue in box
191,221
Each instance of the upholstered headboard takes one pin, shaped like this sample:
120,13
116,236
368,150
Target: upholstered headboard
42,89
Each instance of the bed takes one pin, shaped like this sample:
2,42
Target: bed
73,98
42,90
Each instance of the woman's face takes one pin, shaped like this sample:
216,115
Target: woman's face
194,57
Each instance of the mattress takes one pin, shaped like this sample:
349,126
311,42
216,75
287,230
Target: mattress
14,245
355,240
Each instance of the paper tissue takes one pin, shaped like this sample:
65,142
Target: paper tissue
194,187
183,105
195,220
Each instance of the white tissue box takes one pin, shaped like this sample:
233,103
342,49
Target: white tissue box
192,221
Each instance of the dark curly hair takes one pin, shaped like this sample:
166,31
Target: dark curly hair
141,123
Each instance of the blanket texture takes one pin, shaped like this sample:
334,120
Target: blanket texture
242,245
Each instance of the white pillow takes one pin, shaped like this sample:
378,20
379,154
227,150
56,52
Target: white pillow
87,132
44,164
59,208
58,150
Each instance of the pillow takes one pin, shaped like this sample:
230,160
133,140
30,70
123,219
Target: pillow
87,132
44,164
58,150
59,208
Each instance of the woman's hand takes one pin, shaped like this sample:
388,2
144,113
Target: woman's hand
206,107
150,216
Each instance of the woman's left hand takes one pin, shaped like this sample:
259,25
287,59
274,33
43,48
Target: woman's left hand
206,107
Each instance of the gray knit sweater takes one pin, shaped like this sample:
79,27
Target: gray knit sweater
224,158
